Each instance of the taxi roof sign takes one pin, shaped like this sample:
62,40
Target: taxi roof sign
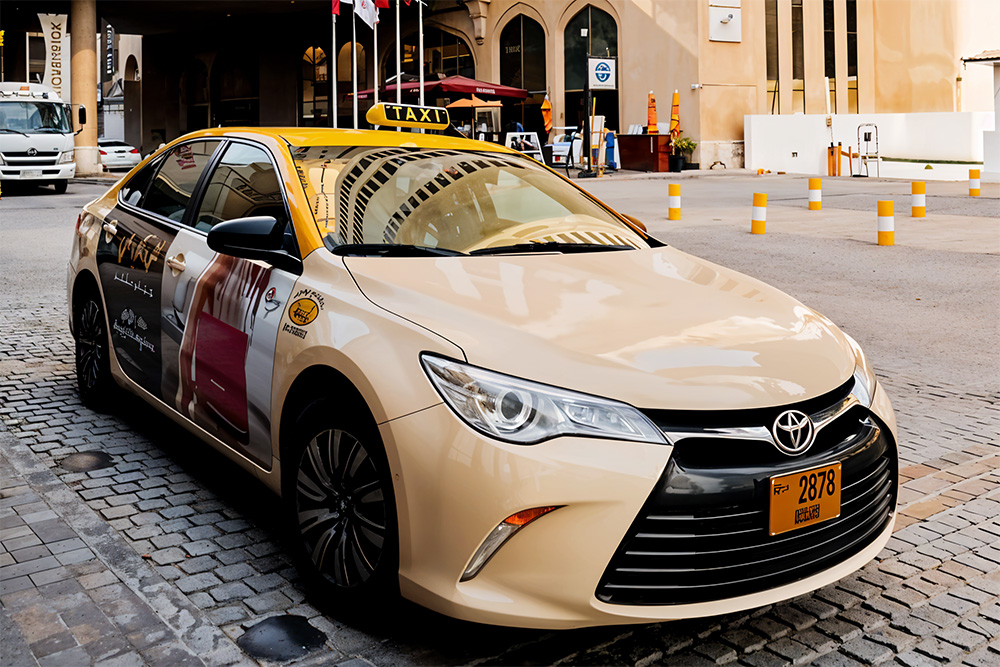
408,115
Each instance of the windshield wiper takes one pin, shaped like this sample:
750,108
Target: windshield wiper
549,246
393,250
49,129
7,129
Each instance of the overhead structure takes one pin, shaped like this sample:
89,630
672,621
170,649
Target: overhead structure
451,84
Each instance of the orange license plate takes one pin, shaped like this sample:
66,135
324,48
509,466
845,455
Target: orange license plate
804,498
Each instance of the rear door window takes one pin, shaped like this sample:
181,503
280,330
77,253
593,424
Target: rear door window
171,190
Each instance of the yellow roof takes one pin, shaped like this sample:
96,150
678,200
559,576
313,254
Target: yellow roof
325,136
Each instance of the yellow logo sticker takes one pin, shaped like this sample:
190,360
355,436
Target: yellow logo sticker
303,311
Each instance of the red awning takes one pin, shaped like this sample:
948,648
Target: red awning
451,84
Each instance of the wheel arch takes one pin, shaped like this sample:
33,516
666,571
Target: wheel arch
83,284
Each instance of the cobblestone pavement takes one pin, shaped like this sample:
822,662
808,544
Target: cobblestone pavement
171,553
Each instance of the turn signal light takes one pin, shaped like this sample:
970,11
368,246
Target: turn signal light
499,536
103,152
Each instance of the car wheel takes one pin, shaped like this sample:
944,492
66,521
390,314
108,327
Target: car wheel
342,510
60,186
93,360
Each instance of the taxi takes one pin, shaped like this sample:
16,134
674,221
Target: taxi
473,384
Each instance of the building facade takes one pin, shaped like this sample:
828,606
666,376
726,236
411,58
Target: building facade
273,62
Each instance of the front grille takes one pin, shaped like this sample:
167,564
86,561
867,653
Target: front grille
703,533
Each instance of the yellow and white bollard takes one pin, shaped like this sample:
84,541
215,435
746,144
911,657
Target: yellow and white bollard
973,182
918,205
758,214
674,201
886,223
815,194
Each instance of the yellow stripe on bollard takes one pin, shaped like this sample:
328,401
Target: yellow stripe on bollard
974,183
758,214
674,201
886,223
815,194
918,195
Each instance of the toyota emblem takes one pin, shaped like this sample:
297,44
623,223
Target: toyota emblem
32,152
793,432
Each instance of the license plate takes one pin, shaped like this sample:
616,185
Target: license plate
804,498
31,173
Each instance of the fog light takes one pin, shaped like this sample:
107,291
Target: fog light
499,536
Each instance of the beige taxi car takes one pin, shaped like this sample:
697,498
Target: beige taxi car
474,385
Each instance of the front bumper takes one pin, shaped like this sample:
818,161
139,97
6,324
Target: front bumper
454,486
38,173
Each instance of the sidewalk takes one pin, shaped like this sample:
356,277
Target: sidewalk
64,605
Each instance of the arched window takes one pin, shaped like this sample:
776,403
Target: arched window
131,69
315,105
344,67
444,53
522,65
592,32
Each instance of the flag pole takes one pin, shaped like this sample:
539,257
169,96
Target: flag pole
420,46
354,64
331,70
399,64
375,59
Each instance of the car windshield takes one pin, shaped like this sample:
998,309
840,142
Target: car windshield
451,202
25,116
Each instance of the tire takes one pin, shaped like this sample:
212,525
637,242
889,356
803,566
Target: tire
93,360
60,186
341,509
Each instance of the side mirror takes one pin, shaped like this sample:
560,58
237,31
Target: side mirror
82,115
260,237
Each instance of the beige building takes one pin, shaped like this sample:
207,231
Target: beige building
729,58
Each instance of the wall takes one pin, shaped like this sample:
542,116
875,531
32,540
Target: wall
771,140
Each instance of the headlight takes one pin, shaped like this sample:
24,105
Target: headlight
66,157
864,375
527,413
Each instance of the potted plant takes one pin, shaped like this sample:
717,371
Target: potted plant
681,149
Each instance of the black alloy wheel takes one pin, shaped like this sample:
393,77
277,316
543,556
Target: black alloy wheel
341,504
93,366
341,508
60,187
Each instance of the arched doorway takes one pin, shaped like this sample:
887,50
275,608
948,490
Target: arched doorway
235,90
344,74
314,106
131,69
522,65
591,32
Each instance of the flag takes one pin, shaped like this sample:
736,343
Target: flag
367,12
336,7
547,113
382,4
651,127
408,3
675,116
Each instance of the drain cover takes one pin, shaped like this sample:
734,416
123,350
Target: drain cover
281,638
87,461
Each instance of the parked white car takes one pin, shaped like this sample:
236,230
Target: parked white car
117,154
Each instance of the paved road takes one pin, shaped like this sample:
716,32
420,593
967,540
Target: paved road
175,552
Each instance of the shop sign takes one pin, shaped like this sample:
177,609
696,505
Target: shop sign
602,73
56,53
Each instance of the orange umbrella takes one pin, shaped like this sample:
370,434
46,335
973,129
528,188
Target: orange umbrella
547,113
651,125
675,116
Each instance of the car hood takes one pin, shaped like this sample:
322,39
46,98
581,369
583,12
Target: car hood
656,328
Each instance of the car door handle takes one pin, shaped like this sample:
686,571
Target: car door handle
111,227
176,263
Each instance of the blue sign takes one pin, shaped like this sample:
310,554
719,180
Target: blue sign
602,72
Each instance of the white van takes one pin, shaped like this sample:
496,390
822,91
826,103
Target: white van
36,135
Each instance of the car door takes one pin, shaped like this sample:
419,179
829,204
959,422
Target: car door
224,311
133,252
